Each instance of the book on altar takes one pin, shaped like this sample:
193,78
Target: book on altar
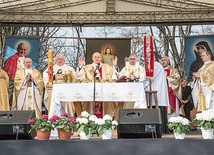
122,79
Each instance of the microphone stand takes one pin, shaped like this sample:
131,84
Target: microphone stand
94,91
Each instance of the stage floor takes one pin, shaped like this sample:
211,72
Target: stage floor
193,144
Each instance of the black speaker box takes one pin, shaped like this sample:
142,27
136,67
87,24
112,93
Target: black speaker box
139,123
14,125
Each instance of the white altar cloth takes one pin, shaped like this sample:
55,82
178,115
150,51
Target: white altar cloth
82,92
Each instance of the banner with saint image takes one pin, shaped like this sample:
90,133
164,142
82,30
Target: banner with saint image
194,45
33,44
108,47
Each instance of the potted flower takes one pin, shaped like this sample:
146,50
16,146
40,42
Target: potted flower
179,125
85,123
63,124
205,121
42,126
106,126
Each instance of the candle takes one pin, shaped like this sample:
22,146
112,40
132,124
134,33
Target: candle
127,69
50,54
50,66
138,69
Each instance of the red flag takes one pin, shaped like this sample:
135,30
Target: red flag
148,47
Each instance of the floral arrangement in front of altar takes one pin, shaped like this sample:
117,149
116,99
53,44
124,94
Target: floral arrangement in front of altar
205,119
179,125
85,122
42,123
63,122
106,123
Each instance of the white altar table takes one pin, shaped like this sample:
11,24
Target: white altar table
84,92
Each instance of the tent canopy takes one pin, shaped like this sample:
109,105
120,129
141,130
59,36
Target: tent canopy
105,12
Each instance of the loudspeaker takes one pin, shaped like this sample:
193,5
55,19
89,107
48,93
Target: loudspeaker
139,123
14,125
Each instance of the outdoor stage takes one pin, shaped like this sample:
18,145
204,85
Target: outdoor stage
193,144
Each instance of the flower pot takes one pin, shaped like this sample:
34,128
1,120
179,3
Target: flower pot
179,136
62,134
107,134
43,135
207,134
83,136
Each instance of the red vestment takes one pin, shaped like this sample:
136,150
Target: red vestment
10,66
98,107
172,96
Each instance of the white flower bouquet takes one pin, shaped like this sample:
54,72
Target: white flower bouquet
85,122
107,123
179,125
205,119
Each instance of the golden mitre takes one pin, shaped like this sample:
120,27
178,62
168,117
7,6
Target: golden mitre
207,75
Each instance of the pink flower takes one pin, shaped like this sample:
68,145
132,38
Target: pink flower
73,120
44,117
54,118
31,121
64,114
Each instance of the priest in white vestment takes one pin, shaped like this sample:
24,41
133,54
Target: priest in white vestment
59,68
28,89
133,72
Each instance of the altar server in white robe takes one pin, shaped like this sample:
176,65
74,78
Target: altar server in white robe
28,89
133,72
159,84
59,68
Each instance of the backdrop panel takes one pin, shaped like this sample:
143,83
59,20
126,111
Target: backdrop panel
119,47
33,51
192,45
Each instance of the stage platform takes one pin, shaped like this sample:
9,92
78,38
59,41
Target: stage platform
193,144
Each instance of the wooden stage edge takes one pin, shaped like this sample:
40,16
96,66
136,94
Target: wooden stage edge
195,134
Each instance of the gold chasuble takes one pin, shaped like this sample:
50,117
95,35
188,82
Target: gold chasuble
174,89
104,74
206,88
4,85
28,94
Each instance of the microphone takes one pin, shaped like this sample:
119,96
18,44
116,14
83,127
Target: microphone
98,66
95,71
95,78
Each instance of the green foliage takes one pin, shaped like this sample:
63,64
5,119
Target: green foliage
89,125
178,127
207,125
108,125
205,119
40,123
